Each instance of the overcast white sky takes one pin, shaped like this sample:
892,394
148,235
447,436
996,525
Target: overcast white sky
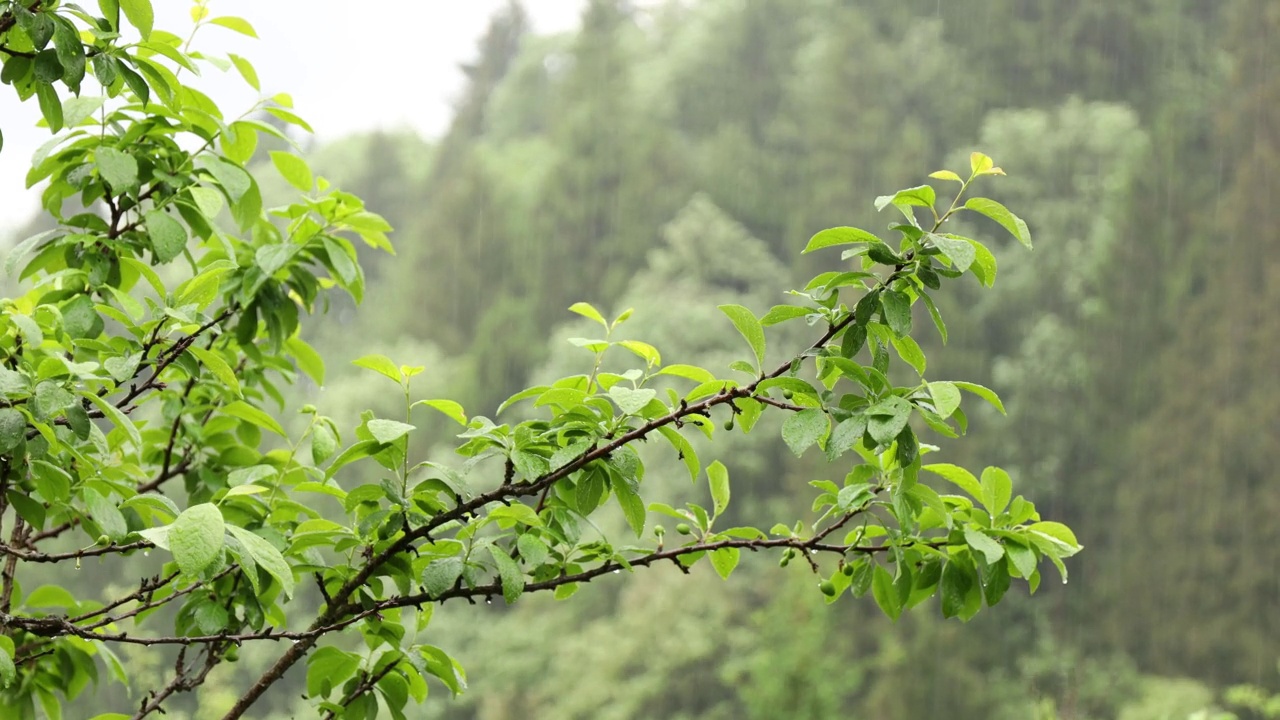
339,59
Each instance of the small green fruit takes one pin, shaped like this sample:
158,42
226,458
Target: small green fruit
684,529
788,394
828,588
786,560
847,570
728,424
659,530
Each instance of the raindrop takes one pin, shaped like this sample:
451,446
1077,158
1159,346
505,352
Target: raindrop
615,572
146,553
488,601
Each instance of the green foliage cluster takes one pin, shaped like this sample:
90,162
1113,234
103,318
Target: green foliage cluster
161,320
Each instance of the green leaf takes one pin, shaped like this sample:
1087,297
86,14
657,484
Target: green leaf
632,506
75,110
997,490
532,550
982,392
13,428
839,236
20,250
897,311
946,175
270,258
994,210
323,443
388,431
441,575
687,454
957,580
290,118
724,560
50,596
265,555
216,365
329,668
210,617
984,544
309,361
362,449
451,409
508,573
887,418
247,412
946,398
845,434
586,310
382,365
29,329
959,250
749,327
8,671
688,372
643,350
106,515
984,264
13,385
293,169
440,665
995,582
718,478
921,196
246,70
239,25
113,413
50,105
885,594
233,179
957,476
782,313
80,320
50,399
909,350
168,237
1022,557
196,538
803,429
1056,530
980,163
140,15
118,169
239,490
631,401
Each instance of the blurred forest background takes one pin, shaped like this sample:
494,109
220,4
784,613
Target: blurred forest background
613,164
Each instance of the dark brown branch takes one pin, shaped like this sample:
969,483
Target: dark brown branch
184,679
145,588
39,557
18,536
